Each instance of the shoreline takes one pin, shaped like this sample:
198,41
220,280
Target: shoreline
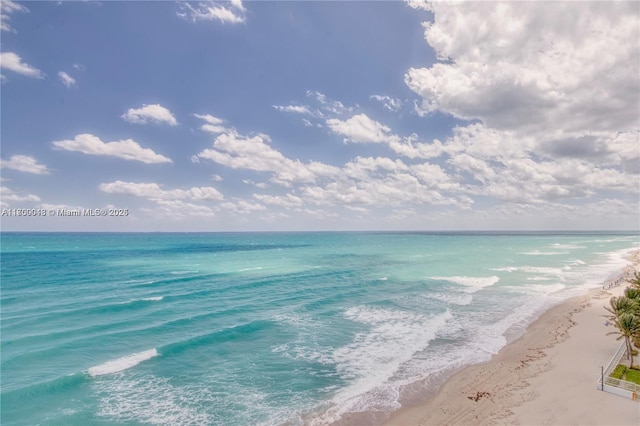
546,376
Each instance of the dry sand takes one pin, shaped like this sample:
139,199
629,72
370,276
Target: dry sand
547,377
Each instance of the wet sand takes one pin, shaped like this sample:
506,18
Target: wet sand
546,377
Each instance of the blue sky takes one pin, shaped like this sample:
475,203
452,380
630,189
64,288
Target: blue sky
230,116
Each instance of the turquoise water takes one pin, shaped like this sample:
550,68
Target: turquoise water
238,329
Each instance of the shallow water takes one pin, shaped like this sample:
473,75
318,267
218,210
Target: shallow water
266,328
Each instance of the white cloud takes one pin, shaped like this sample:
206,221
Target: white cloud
321,107
366,181
485,142
154,191
209,118
213,124
170,204
390,189
242,207
410,147
8,7
553,88
127,149
238,5
150,114
329,105
254,153
531,66
49,206
287,200
239,152
66,79
476,161
8,195
297,109
419,4
361,128
213,12
13,62
261,185
24,163
389,103
178,210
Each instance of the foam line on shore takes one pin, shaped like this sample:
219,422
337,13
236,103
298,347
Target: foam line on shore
547,376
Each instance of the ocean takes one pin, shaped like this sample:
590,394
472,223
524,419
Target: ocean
268,328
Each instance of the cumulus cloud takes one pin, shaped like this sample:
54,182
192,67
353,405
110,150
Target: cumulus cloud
552,93
528,65
150,114
287,200
212,124
411,147
231,13
240,152
173,204
254,153
24,163
178,210
13,62
8,195
127,149
358,184
296,109
66,79
242,207
7,7
361,128
155,192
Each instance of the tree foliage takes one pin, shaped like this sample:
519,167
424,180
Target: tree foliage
635,280
625,315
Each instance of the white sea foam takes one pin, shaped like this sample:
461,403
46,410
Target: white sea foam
453,298
490,338
536,289
152,400
121,364
296,319
531,270
183,272
373,358
257,268
567,246
472,284
506,269
146,299
544,253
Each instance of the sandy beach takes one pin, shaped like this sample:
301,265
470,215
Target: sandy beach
546,377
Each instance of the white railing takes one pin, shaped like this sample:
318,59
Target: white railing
618,386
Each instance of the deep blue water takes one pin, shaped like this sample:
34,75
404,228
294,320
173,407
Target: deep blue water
266,328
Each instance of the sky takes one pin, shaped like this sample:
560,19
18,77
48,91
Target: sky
301,115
